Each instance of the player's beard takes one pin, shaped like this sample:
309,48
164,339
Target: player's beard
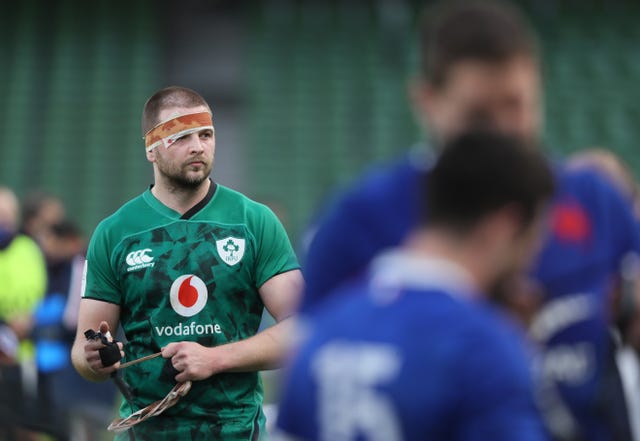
179,176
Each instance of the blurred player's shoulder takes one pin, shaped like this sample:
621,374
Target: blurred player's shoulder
589,218
380,194
584,178
589,187
382,181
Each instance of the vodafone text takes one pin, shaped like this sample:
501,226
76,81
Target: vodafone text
188,329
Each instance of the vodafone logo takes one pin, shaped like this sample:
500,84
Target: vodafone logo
188,295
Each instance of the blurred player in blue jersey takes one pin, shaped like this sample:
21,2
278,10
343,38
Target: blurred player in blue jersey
480,67
412,352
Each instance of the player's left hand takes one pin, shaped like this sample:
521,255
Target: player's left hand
192,360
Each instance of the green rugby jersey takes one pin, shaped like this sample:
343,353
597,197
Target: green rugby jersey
193,277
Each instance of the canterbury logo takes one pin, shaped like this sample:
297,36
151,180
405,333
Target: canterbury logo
139,259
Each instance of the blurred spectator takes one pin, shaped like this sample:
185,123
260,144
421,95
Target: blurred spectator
39,211
64,395
22,285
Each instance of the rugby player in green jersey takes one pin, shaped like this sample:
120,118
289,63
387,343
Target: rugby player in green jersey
186,269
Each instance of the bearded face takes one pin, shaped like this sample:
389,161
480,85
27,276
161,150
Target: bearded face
187,162
184,172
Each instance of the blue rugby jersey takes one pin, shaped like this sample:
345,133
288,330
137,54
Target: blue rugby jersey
410,354
592,230
373,215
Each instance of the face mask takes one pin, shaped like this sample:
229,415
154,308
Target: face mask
6,236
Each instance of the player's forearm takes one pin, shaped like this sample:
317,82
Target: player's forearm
265,350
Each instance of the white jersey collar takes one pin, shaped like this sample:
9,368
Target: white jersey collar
397,269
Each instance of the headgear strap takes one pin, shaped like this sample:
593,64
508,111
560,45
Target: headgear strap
167,132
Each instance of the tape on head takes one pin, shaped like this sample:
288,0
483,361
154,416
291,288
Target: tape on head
167,132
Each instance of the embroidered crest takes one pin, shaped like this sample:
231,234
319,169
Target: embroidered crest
230,249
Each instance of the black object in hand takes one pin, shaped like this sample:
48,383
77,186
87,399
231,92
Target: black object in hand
110,354
168,372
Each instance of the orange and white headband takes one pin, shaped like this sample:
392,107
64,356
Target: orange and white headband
167,132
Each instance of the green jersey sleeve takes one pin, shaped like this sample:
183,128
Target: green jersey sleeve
101,282
275,254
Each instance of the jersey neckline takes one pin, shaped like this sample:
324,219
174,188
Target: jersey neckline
171,213
200,205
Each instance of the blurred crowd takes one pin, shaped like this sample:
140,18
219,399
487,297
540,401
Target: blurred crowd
41,266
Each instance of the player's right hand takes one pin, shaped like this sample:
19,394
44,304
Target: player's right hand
92,354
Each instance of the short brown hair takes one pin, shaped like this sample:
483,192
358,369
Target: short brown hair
480,30
173,96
